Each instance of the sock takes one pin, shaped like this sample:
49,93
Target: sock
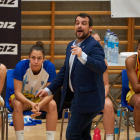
50,135
109,136
137,134
20,135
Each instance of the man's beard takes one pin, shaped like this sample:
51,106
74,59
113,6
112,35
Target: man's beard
83,36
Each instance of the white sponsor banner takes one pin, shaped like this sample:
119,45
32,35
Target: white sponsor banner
125,8
6,48
9,3
65,0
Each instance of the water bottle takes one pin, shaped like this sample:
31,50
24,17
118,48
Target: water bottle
107,34
97,135
115,49
109,47
112,50
10,117
118,119
116,130
105,51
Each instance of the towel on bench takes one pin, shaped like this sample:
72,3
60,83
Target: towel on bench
28,121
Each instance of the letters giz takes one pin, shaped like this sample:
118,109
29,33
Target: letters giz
7,48
9,2
8,25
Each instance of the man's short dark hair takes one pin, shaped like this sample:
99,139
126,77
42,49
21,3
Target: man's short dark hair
83,15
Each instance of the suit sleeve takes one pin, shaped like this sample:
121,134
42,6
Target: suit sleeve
95,59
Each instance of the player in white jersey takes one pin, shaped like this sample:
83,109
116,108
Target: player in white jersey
30,76
2,81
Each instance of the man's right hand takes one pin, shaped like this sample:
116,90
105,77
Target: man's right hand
42,94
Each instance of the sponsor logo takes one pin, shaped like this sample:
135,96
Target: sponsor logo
11,49
7,25
42,82
8,3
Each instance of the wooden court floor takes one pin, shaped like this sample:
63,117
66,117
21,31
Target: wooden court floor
38,132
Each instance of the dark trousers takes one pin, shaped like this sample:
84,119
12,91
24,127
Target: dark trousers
79,125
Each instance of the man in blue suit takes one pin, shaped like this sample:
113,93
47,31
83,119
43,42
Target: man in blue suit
82,80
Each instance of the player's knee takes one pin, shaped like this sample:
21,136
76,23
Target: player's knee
108,105
2,70
17,105
3,67
52,106
137,103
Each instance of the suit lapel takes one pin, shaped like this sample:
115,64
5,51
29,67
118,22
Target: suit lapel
68,54
74,62
83,46
85,42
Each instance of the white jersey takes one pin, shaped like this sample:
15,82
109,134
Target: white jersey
33,83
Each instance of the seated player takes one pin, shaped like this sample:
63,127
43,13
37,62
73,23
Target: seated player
133,96
108,112
30,76
2,81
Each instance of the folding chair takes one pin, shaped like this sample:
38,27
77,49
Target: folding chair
65,108
9,85
97,122
112,98
2,122
125,106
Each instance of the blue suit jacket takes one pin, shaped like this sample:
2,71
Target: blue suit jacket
87,80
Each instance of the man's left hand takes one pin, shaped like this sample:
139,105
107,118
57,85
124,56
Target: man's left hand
76,51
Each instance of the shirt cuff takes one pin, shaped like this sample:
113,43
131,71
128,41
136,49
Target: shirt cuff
83,58
48,91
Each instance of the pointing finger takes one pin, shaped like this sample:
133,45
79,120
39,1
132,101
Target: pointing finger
38,93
